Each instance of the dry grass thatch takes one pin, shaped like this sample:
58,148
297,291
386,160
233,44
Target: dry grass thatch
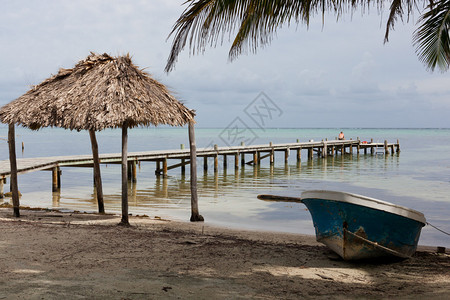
99,92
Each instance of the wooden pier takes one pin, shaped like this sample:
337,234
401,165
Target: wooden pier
243,154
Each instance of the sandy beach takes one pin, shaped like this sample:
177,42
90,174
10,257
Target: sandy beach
55,255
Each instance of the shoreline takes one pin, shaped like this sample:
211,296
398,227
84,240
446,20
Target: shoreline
51,254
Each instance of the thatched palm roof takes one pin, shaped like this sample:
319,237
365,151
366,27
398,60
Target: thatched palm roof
99,92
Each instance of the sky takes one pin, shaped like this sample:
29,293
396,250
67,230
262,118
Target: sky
335,75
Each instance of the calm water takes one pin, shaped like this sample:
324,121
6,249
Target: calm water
418,178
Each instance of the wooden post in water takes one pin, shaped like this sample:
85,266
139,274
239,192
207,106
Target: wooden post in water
158,168
310,153
124,220
165,166
205,164
255,158
133,172
183,166
55,179
216,162
97,175
216,159
286,155
386,148
236,161
242,155
371,147
397,147
225,163
272,154
299,154
195,215
324,150
13,165
129,170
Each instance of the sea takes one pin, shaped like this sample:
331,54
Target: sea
417,177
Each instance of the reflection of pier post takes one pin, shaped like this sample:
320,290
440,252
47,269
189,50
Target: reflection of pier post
56,197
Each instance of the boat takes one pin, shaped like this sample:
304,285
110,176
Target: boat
358,227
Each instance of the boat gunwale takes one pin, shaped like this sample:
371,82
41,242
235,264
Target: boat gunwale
365,201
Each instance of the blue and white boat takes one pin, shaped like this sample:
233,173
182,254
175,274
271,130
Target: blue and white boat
358,227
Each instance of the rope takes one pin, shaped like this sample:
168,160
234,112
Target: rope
438,229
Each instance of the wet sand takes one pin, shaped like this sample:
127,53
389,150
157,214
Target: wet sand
54,255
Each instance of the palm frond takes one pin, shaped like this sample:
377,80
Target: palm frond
207,22
432,39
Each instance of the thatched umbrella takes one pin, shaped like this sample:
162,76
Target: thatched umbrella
99,92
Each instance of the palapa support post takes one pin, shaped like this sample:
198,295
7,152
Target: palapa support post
195,215
124,220
97,175
13,165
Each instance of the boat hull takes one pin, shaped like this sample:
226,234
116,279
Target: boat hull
358,227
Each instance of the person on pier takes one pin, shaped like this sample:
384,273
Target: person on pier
341,135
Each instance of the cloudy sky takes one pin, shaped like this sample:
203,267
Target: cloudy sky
338,75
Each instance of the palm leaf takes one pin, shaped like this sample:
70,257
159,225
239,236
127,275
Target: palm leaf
207,22
432,37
